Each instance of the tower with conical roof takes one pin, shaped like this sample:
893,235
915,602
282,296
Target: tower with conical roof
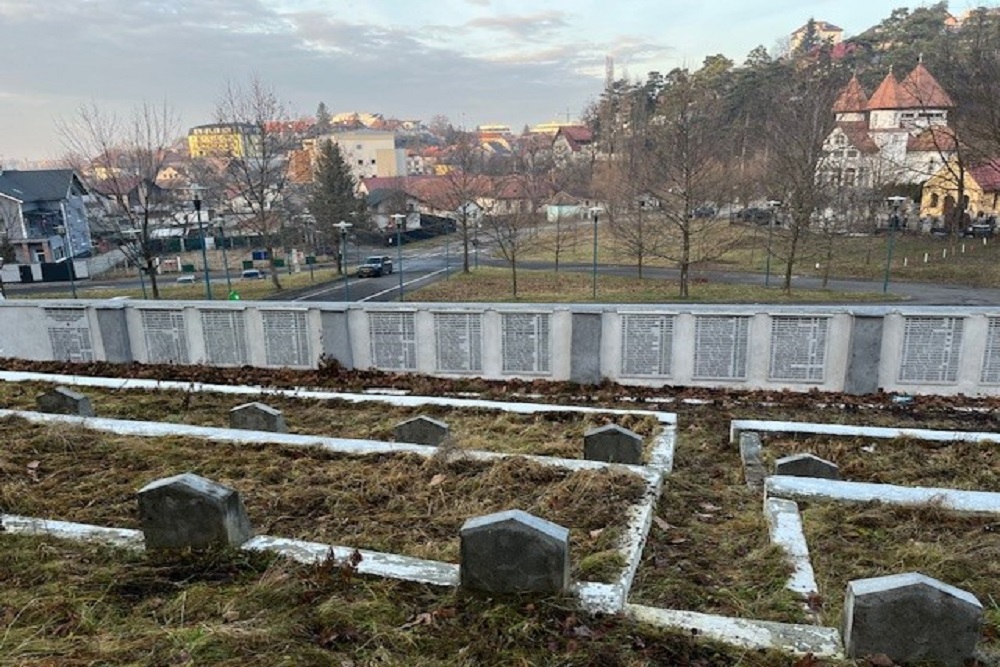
852,103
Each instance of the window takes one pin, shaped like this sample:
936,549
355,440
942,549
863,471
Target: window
852,153
839,140
934,200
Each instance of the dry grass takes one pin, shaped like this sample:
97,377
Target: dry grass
853,542
546,434
494,285
399,503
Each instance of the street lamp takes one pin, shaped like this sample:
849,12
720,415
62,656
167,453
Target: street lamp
68,245
595,211
343,227
399,219
204,253
895,202
773,206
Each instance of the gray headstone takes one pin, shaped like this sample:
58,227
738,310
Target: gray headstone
257,417
911,618
754,470
190,511
612,444
63,401
806,465
514,552
422,431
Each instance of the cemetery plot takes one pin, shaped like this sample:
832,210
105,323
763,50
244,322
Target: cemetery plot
708,549
972,466
849,542
555,433
396,503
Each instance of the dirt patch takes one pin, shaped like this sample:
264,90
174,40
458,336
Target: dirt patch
400,503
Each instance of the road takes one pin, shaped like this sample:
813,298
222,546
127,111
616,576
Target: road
426,263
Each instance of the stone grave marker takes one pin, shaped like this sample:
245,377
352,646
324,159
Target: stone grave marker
754,470
257,417
63,401
514,552
190,511
911,618
422,431
806,465
612,444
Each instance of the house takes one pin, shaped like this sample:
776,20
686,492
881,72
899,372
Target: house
900,135
822,31
43,215
572,143
980,189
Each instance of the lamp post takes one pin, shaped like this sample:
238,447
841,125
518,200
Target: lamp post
476,244
895,202
595,211
773,206
225,258
68,245
343,227
204,252
399,218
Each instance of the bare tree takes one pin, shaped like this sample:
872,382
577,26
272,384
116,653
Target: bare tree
256,171
119,157
514,227
464,183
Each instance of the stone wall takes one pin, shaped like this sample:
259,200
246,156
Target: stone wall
933,350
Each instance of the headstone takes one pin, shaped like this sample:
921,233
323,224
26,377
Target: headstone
188,511
422,431
806,465
911,618
514,552
612,444
754,470
63,401
257,417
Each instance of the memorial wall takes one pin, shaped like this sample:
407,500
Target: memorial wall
833,348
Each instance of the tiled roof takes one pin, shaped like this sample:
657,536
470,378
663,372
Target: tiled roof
852,98
576,136
922,91
821,26
987,175
932,139
888,95
858,137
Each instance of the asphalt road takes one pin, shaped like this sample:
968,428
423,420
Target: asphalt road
427,262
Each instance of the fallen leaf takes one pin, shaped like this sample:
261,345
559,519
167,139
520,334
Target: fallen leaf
661,524
437,479
231,616
709,507
425,618
33,465
678,540
880,660
594,534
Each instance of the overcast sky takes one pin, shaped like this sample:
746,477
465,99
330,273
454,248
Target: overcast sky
475,61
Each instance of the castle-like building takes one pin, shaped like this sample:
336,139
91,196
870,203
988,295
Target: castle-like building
900,135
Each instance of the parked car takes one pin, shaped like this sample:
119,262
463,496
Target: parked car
761,216
374,266
186,279
704,212
978,231
253,274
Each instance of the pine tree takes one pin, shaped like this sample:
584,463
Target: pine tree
333,198
322,119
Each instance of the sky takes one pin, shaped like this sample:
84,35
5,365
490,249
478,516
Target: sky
514,62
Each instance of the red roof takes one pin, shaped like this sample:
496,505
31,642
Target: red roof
939,138
987,175
852,98
576,136
857,136
888,95
922,91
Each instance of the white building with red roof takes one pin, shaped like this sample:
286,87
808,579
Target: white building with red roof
898,135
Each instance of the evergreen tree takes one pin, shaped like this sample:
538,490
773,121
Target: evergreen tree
333,197
322,119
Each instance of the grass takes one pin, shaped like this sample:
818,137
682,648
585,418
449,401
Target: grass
707,550
73,604
547,434
494,285
861,257
400,503
849,542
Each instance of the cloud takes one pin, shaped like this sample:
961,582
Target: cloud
530,26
